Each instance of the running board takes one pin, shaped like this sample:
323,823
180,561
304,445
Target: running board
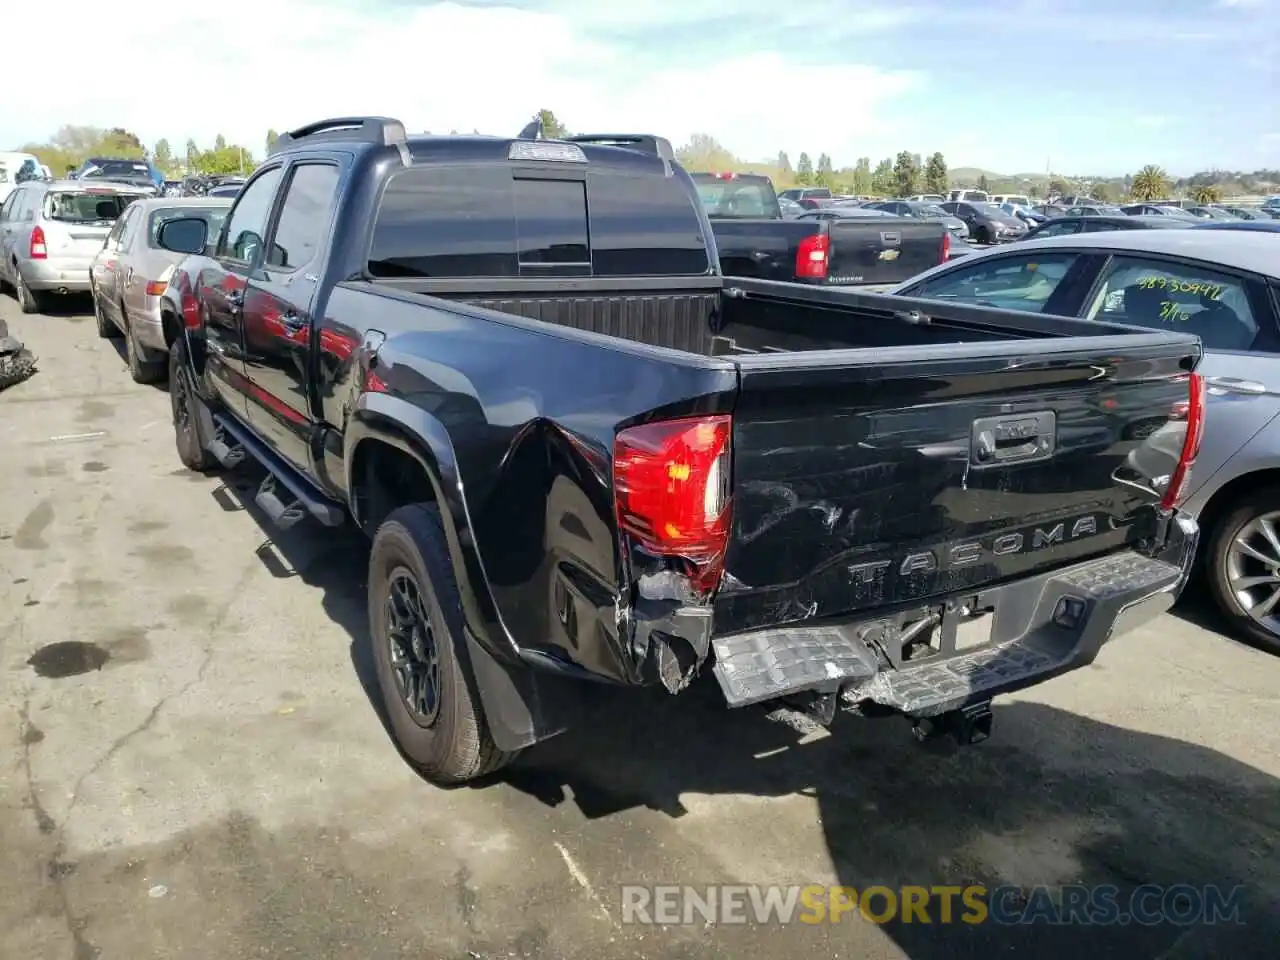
284,496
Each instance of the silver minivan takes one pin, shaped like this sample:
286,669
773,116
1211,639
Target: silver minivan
50,231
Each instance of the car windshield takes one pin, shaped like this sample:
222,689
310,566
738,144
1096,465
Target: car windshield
213,216
80,206
990,209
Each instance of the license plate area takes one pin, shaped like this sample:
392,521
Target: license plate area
930,634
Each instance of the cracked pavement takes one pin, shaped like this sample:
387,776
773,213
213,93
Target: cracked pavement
194,769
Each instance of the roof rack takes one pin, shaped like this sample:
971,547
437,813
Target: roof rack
380,130
636,141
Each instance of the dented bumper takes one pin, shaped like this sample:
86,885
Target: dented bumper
920,661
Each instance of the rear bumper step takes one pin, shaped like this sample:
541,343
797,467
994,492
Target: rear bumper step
1041,627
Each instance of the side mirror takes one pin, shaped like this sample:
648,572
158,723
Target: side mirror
187,235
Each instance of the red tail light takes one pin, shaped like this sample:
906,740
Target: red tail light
672,491
1193,413
38,249
726,176
945,254
812,257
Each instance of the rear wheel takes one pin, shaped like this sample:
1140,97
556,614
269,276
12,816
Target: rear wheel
141,369
106,329
28,300
1243,567
186,404
415,625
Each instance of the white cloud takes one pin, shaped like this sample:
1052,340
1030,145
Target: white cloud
179,70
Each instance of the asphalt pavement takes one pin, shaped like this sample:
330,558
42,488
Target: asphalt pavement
194,768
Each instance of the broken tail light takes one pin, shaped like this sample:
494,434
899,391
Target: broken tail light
1192,411
672,491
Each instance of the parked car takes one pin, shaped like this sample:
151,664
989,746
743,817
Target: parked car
968,196
1209,213
808,197
987,223
12,166
1028,216
830,245
226,189
1049,211
1222,286
581,454
1094,210
1063,226
1256,226
140,173
50,231
918,210
789,208
1155,210
129,275
1245,213
1016,199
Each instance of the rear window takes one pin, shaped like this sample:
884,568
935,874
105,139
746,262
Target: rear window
81,207
740,199
213,216
442,222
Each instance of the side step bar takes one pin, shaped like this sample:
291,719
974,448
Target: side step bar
284,496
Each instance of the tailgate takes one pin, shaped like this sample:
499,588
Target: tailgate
867,479
883,251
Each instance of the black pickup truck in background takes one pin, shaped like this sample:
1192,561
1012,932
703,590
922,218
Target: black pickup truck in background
583,454
820,246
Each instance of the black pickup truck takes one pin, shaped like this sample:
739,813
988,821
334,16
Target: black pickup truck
821,246
582,454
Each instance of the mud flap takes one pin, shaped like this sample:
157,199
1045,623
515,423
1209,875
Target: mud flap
521,704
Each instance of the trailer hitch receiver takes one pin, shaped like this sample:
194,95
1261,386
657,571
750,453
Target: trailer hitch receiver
968,725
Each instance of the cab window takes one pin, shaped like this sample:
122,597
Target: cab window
1024,282
1170,295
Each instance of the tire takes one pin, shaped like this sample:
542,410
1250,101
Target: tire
186,405
1220,563
453,743
140,369
106,329
28,300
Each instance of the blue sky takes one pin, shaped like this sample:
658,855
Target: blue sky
1085,86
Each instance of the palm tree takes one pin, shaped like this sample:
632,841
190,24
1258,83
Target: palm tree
1206,193
1150,183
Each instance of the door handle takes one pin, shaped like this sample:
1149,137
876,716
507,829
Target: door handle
1235,385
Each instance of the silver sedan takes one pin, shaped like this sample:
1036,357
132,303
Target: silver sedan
131,271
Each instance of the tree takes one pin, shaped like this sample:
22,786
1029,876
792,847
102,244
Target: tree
1102,191
1059,187
905,174
935,175
552,128
882,178
272,137
163,157
193,155
862,176
119,142
784,164
705,154
826,175
227,158
219,142
1206,193
1150,183
982,183
804,170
